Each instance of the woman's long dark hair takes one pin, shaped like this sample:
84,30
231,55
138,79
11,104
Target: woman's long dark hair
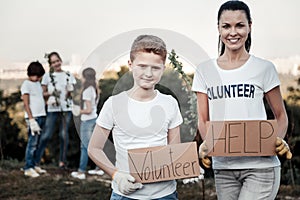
53,54
89,74
233,6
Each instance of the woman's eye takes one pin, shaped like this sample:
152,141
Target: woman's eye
225,26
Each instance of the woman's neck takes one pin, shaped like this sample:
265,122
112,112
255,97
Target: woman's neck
232,60
234,56
60,70
141,94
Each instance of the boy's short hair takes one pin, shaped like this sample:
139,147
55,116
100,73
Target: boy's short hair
35,69
148,44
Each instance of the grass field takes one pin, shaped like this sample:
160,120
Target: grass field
57,184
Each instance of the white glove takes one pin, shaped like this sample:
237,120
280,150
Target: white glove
126,183
70,87
203,151
51,100
76,110
34,127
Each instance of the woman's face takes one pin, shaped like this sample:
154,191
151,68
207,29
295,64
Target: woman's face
234,29
55,62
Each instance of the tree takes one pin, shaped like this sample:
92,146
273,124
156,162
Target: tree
11,145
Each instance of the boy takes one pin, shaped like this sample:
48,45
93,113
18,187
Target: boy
35,114
139,117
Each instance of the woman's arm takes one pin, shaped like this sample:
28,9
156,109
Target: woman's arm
88,109
276,103
203,114
95,150
174,135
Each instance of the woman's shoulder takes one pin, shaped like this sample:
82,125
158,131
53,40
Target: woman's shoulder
207,64
261,61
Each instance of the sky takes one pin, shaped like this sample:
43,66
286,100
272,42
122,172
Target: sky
33,27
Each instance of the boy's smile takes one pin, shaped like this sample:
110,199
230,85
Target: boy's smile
147,69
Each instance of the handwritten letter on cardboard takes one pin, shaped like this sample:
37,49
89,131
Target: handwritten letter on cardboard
241,138
155,164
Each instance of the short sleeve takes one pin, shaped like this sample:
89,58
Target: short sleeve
271,78
105,118
176,119
199,84
46,79
72,79
88,94
25,88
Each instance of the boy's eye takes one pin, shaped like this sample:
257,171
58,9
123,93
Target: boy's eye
155,68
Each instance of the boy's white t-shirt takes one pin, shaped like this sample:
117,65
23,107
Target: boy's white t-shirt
89,94
36,99
237,95
137,124
60,79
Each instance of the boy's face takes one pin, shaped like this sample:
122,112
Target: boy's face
147,69
35,78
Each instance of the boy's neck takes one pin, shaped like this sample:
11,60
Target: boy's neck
141,94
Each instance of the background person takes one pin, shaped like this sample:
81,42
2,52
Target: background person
35,115
57,87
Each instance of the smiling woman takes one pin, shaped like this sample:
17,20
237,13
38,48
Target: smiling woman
232,87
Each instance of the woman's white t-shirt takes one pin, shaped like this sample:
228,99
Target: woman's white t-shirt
237,95
61,80
89,94
137,124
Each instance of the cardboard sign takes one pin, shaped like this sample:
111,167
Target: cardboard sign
241,138
155,164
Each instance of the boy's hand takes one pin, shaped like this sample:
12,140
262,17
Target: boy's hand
203,151
34,127
283,148
125,182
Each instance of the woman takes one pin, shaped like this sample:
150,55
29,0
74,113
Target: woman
240,177
89,98
57,87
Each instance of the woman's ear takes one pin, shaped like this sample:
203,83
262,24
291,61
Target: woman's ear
250,27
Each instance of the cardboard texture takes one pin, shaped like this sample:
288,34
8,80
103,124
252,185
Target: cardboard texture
162,163
241,138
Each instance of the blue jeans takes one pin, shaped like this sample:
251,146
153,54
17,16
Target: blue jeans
243,184
32,144
54,119
86,130
115,196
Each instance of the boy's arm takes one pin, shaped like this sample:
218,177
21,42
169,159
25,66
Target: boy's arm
124,180
95,150
174,135
25,98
